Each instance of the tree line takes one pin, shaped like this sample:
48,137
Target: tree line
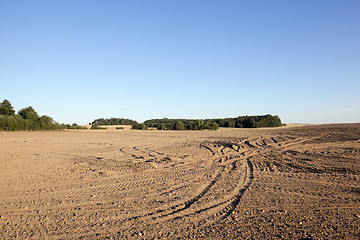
26,119
250,121
213,124
181,124
114,121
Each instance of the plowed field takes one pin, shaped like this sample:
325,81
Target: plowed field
291,183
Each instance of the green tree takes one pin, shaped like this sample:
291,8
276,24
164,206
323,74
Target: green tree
213,126
6,108
178,125
230,123
160,127
46,122
28,113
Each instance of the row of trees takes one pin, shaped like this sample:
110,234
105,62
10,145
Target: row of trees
114,121
213,124
26,119
181,124
250,121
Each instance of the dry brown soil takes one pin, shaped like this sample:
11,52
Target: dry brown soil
292,183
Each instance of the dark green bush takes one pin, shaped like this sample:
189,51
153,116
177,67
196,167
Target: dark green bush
139,126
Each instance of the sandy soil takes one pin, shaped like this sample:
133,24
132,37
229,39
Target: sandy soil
287,183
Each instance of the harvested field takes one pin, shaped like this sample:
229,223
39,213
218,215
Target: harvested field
291,183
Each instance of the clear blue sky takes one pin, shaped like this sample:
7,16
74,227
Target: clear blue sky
80,60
